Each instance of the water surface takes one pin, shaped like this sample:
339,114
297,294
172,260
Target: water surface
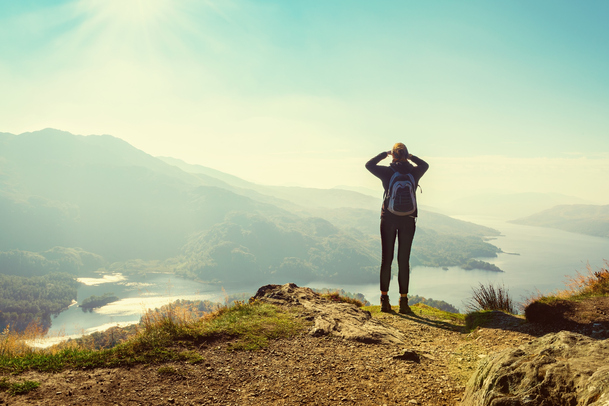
546,257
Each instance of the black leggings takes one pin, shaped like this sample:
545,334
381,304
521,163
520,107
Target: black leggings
403,228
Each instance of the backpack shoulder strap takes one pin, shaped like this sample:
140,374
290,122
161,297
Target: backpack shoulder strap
395,174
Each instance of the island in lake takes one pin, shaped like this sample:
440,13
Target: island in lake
94,302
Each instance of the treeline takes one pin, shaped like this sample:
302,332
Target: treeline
93,302
104,339
439,250
24,300
476,264
181,310
438,304
58,259
250,248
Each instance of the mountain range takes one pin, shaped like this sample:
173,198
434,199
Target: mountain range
508,205
96,202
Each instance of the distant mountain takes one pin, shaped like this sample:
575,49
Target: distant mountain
508,206
300,196
578,218
128,211
103,195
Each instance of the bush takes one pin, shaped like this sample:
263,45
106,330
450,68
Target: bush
590,284
491,298
593,284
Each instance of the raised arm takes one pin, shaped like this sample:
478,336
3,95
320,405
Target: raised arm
422,166
373,167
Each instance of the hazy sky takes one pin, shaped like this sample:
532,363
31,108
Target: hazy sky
501,95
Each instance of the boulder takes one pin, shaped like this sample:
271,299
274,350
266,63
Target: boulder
562,368
331,318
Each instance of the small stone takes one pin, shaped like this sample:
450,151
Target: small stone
58,393
408,355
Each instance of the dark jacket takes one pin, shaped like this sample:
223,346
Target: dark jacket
384,173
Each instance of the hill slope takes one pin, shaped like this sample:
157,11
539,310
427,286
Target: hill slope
578,218
508,206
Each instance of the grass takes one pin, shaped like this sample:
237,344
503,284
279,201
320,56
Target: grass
426,314
337,297
542,308
166,337
23,388
167,370
13,342
476,319
17,388
578,287
491,297
423,309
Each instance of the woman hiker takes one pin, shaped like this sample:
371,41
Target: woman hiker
398,216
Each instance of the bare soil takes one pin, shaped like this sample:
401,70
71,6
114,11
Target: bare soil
438,361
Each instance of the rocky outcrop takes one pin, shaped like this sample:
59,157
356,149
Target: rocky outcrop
331,318
557,369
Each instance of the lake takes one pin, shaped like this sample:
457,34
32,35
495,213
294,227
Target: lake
137,293
546,257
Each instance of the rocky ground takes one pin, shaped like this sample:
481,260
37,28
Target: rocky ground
429,367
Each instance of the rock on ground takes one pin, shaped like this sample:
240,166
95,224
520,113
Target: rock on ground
562,368
338,319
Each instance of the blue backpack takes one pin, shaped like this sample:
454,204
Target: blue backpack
401,194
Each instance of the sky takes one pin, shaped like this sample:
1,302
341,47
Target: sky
497,96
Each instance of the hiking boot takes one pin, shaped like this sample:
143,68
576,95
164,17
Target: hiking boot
385,306
404,308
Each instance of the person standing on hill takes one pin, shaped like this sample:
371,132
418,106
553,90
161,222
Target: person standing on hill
398,216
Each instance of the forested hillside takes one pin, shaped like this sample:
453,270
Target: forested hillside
74,261
24,300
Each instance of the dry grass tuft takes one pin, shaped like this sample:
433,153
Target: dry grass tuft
337,297
491,298
15,343
592,283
